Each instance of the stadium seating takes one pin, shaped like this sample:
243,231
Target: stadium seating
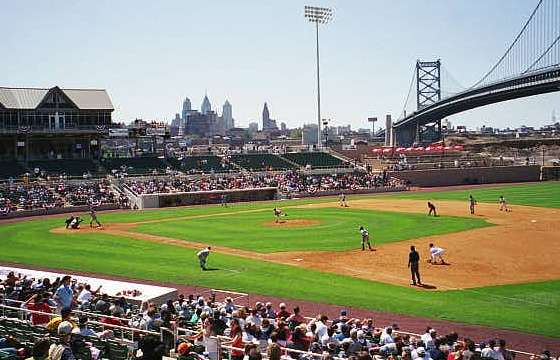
11,169
315,160
71,167
261,162
206,163
136,166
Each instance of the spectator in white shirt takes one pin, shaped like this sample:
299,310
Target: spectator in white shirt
321,329
386,337
488,351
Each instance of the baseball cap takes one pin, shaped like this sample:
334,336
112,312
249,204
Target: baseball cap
65,328
343,312
420,350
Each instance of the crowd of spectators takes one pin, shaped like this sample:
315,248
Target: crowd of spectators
248,331
287,182
46,196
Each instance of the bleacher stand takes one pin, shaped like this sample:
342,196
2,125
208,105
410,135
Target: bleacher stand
261,162
315,160
69,167
136,166
202,163
11,169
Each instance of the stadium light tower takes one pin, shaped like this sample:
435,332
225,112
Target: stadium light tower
318,15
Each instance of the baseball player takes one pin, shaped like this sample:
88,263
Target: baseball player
75,223
503,203
435,254
223,200
432,209
203,256
277,214
93,216
68,221
365,238
342,200
472,203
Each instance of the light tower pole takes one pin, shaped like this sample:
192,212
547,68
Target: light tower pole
318,15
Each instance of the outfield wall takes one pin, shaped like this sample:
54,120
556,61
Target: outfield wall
54,211
377,190
205,197
469,176
551,173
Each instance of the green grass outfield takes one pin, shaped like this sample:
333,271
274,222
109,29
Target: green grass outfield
526,307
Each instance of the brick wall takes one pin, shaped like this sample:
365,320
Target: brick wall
464,176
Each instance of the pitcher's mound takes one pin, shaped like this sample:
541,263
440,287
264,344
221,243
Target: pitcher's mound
292,223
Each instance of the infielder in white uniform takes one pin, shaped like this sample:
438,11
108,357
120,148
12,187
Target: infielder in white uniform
342,200
436,253
365,239
503,203
202,256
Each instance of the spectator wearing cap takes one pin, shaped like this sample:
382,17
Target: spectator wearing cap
62,350
82,328
420,354
64,295
343,318
65,313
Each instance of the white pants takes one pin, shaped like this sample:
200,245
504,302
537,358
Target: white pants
437,254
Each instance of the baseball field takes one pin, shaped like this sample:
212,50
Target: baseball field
503,267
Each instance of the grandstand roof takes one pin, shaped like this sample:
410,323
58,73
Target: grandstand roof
30,98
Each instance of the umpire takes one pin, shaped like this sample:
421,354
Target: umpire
413,262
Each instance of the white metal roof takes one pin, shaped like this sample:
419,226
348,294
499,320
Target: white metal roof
30,98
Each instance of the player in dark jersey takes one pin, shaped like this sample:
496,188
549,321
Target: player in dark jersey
414,264
432,209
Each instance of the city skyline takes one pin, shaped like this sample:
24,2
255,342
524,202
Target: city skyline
367,56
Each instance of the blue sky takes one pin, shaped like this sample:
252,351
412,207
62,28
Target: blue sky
149,55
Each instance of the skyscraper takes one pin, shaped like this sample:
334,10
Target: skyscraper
186,108
267,122
227,116
206,107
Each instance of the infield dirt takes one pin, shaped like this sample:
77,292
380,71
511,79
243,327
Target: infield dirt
523,247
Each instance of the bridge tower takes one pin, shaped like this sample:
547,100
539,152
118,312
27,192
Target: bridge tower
428,83
428,92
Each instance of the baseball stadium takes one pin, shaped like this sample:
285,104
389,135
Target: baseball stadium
194,239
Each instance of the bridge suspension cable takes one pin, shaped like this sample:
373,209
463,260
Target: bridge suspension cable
534,48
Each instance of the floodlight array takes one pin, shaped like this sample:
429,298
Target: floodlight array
319,15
